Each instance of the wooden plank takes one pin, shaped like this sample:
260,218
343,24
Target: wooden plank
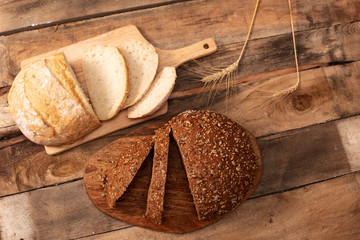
349,131
317,211
318,99
61,212
7,125
312,154
290,159
23,15
336,41
326,210
186,23
25,165
322,95
273,56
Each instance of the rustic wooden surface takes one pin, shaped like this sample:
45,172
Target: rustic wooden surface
310,140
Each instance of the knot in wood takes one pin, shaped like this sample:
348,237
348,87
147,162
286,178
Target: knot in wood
301,102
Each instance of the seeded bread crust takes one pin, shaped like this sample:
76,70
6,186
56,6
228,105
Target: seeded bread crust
219,160
155,200
126,166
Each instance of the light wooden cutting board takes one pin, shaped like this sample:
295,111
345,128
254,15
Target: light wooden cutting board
117,37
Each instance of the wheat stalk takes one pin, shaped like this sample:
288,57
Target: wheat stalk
294,87
228,72
224,73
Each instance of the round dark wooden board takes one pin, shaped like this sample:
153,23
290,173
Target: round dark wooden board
179,211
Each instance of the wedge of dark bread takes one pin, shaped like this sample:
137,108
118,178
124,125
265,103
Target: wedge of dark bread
125,168
155,199
219,160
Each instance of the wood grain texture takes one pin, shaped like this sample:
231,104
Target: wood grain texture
319,157
338,43
186,23
179,211
53,213
23,15
308,155
26,166
319,99
326,210
290,159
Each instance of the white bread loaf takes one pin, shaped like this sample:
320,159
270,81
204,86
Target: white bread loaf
158,93
107,79
48,104
142,61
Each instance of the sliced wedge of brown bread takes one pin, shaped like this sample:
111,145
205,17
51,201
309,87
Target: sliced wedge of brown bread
126,167
155,200
219,160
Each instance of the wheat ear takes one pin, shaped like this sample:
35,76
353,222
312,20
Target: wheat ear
294,87
226,72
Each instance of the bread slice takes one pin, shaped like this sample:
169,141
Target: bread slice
107,79
142,61
219,159
48,104
126,167
155,199
158,93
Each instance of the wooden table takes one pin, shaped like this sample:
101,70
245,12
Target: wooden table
310,140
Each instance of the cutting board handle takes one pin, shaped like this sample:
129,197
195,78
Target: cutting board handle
174,58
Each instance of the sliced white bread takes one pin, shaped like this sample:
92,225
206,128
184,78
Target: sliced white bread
107,78
158,93
142,61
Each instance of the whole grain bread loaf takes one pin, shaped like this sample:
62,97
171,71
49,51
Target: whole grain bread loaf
219,159
126,166
48,105
155,199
